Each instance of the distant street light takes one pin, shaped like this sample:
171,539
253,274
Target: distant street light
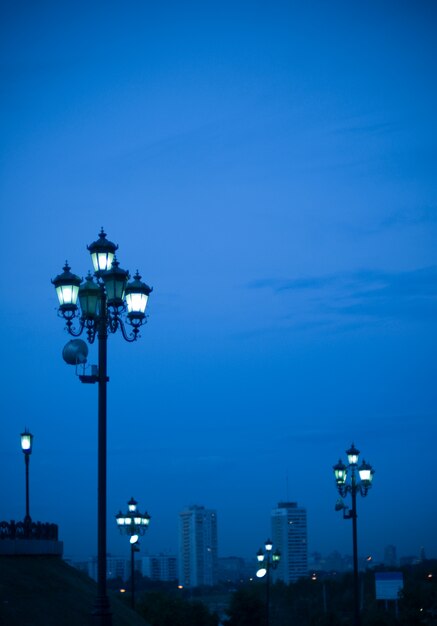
267,561
134,524
26,446
104,300
359,485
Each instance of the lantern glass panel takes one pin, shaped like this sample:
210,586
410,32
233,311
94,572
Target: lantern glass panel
352,455
340,476
340,473
67,294
115,284
102,261
365,474
136,302
26,442
89,294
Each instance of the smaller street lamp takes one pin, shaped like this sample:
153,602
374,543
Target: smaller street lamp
357,484
267,560
26,446
133,524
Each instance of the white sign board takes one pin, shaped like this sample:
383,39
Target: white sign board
388,585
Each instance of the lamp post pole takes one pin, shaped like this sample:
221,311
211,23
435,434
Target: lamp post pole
361,486
107,303
134,547
132,574
134,524
267,563
27,460
102,608
353,513
268,590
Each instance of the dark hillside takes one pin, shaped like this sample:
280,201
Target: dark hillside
45,591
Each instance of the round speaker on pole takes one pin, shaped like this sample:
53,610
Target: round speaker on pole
75,351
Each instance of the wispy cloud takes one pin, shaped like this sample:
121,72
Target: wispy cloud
367,294
369,426
315,282
363,125
408,217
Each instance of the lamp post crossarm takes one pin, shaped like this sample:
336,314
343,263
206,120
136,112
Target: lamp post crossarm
90,325
129,337
363,490
112,321
344,489
91,330
354,487
348,513
69,316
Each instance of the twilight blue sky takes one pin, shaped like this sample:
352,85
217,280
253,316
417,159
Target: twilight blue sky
271,169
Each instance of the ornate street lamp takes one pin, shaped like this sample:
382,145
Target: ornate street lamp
358,484
107,303
26,446
134,524
267,560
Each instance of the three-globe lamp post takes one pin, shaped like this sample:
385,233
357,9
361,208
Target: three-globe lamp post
26,446
102,303
360,482
267,560
133,524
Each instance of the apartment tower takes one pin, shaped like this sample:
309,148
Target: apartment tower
289,536
198,558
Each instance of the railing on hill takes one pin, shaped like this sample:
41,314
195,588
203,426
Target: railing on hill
28,530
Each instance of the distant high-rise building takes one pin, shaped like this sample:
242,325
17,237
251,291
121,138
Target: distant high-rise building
390,557
116,567
289,536
160,567
233,569
198,556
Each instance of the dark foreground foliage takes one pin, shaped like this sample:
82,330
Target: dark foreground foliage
323,600
163,609
328,601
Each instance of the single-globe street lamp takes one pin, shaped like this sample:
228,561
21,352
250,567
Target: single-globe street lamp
267,560
133,524
358,484
26,446
107,303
